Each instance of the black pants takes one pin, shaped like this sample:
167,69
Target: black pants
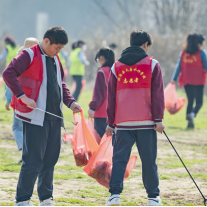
194,93
146,141
100,126
78,80
41,149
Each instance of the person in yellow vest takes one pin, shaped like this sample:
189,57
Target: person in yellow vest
78,61
64,59
10,51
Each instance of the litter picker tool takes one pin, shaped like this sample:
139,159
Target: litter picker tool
186,168
74,122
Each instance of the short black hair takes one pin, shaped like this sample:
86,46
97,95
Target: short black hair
201,38
10,42
74,45
56,35
139,37
113,46
108,54
80,42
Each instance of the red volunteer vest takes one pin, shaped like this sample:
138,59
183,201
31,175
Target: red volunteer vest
101,111
31,81
133,96
192,71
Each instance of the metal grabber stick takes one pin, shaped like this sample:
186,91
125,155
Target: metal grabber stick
74,122
186,168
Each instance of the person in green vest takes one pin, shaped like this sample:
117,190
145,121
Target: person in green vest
10,51
64,59
78,61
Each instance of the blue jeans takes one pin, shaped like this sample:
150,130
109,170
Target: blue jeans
17,128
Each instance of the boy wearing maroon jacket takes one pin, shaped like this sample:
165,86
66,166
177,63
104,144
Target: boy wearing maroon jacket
136,108
35,77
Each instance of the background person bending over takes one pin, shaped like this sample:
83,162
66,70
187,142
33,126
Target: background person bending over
10,51
191,69
78,61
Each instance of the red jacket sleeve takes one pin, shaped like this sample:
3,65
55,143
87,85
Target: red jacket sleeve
112,84
99,91
67,97
157,94
16,67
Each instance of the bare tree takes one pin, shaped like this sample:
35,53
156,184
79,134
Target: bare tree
128,11
178,15
106,13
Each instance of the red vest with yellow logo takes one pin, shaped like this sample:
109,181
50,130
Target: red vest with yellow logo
101,111
31,81
133,96
192,71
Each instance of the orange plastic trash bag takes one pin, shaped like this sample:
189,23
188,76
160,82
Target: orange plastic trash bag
90,124
67,137
173,103
83,141
100,164
1,80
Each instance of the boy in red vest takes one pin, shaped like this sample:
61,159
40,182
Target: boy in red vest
136,108
35,77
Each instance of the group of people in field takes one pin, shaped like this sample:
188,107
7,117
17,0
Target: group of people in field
128,96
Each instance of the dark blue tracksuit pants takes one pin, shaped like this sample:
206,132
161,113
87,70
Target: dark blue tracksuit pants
146,141
100,126
41,149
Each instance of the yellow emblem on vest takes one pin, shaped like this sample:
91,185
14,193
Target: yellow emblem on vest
138,71
125,80
136,80
120,75
123,71
190,60
144,76
131,80
119,79
127,70
130,69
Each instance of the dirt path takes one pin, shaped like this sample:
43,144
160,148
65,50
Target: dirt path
73,187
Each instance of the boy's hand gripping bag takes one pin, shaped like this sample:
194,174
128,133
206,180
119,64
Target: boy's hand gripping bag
100,164
173,103
90,124
83,141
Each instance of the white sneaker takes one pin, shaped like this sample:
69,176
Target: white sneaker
47,202
114,200
154,201
23,203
